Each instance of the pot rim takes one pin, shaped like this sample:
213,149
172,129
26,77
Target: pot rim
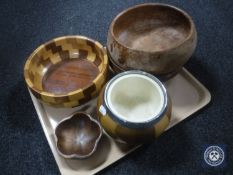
130,124
185,14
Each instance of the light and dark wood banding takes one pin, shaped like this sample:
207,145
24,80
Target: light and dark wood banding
66,71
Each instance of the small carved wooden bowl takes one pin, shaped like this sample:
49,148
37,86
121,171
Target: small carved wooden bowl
78,136
67,71
153,37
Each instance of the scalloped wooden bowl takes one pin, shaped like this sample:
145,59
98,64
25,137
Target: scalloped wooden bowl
67,71
78,136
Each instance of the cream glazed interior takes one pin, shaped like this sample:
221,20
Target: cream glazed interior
135,98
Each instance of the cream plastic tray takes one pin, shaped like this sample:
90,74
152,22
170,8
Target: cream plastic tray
188,95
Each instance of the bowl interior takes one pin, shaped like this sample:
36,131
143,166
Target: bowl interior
135,98
65,64
153,27
77,136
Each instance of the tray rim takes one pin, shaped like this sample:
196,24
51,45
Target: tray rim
40,110
205,101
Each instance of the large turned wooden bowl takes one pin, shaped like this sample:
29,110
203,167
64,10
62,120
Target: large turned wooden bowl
67,71
156,38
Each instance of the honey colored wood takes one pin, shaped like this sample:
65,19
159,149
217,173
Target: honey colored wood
69,75
156,38
67,71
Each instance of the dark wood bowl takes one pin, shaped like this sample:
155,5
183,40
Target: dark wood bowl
155,38
78,136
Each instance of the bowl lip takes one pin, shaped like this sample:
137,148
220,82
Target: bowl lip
185,14
49,94
96,142
138,125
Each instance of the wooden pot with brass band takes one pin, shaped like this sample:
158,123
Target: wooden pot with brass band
134,107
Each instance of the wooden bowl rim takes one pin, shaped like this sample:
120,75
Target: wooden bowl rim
74,155
185,14
48,94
